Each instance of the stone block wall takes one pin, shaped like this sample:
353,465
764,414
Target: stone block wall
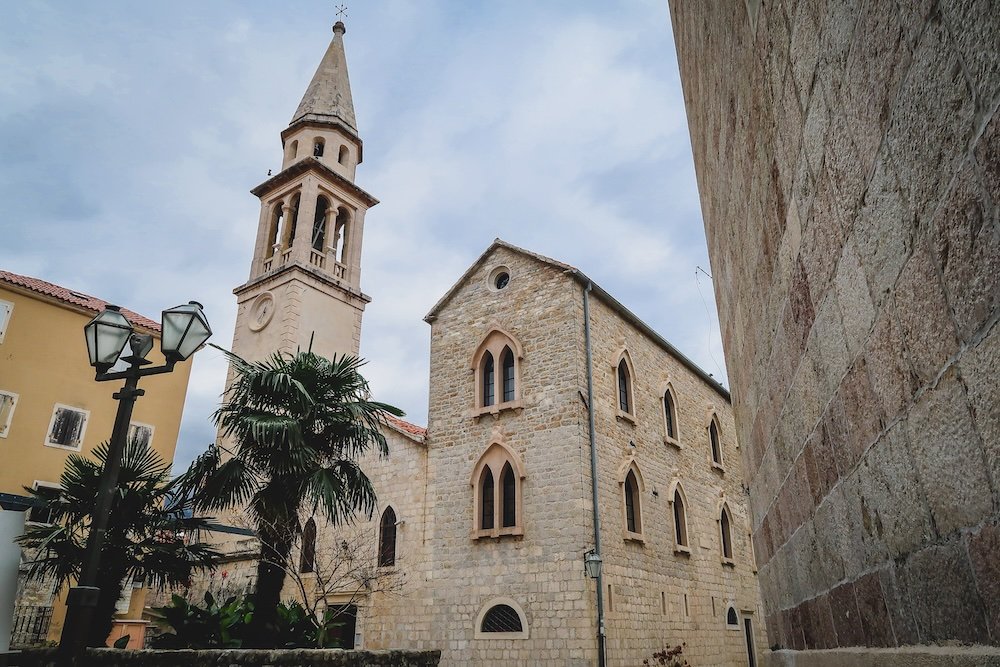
660,598
848,159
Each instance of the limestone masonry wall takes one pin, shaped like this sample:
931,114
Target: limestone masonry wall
848,158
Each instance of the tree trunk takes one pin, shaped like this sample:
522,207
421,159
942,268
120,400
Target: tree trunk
110,583
275,545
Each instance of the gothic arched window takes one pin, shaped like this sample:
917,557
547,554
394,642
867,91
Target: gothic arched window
715,442
318,146
508,374
496,481
486,497
497,386
387,538
624,404
681,540
489,380
508,497
342,156
633,519
726,534
670,415
307,555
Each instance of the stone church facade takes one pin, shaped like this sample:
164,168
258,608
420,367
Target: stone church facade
486,516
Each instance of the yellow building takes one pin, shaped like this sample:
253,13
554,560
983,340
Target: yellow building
51,406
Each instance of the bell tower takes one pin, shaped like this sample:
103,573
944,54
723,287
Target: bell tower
305,277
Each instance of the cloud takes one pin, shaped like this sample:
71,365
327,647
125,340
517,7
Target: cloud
132,139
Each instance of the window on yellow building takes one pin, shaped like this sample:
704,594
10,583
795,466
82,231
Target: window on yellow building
143,433
67,427
6,309
8,401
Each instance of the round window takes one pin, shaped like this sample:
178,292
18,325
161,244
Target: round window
498,278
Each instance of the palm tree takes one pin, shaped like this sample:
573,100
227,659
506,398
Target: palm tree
146,530
299,423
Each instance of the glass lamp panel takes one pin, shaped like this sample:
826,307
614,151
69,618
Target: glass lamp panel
106,337
185,329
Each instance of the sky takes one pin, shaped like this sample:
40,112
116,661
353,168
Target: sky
131,134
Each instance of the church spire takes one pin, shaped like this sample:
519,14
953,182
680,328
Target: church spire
328,97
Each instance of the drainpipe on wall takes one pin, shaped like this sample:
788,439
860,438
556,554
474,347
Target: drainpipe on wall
601,633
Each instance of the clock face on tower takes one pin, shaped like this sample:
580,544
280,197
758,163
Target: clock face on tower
261,311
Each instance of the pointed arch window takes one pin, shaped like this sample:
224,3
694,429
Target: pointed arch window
293,149
307,555
632,518
715,441
671,432
624,379
489,380
508,374
726,535
387,538
508,497
486,507
679,508
632,487
319,145
342,156
496,481
497,388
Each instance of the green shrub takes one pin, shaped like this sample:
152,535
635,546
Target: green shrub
226,625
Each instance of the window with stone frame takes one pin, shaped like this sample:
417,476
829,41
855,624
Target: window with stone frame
387,538
715,441
679,509
8,402
501,618
497,493
497,373
671,430
624,387
67,428
726,534
632,487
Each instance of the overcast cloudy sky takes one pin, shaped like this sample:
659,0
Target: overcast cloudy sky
131,133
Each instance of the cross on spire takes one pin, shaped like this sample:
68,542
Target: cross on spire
341,12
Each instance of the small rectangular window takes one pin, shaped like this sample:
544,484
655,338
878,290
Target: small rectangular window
8,401
42,514
6,308
67,427
141,432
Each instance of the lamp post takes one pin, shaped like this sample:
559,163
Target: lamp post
184,329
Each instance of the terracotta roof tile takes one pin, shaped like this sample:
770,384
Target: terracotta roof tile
72,297
405,426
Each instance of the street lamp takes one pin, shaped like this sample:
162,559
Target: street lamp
184,329
592,564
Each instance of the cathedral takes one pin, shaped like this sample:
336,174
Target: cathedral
577,497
